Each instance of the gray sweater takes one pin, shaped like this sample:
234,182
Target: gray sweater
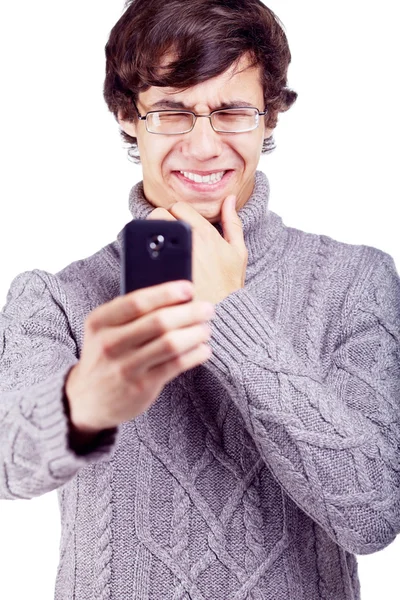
257,475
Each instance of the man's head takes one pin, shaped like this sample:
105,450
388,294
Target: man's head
197,56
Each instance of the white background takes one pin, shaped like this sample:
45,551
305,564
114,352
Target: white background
66,178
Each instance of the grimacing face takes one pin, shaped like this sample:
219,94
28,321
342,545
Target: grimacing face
201,151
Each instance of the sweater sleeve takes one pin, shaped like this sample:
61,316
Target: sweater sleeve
37,351
331,441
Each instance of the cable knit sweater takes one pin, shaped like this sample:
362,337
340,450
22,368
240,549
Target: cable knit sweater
257,475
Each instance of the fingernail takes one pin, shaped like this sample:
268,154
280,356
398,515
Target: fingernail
186,290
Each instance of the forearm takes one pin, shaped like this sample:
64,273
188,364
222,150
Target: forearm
338,464
37,452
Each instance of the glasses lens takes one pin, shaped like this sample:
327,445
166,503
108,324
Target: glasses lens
169,122
235,120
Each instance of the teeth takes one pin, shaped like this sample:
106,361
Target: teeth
210,179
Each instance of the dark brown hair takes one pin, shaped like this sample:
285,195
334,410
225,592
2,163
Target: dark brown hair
205,38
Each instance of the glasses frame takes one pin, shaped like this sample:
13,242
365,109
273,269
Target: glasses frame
196,116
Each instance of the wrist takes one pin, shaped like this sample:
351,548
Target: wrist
80,435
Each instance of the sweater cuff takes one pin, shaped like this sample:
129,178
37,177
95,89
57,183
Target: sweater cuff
50,417
241,331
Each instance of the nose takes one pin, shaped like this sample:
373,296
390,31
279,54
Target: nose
202,143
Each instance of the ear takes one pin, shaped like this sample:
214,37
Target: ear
268,132
128,126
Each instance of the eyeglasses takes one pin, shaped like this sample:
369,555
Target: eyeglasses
226,120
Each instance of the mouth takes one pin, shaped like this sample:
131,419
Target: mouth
204,181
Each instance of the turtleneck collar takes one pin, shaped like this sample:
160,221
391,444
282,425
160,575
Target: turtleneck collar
260,225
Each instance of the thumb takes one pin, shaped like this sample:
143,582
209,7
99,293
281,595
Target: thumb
231,223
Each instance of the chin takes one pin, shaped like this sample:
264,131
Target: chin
213,220
211,216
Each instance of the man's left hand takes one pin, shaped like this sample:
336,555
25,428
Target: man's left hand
219,263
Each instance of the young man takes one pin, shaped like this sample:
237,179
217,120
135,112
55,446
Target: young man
250,458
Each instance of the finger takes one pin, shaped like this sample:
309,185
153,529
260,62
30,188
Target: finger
133,305
120,340
231,224
168,347
167,371
161,214
187,213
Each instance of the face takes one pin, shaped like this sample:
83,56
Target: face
201,151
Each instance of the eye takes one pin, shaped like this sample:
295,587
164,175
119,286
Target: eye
172,116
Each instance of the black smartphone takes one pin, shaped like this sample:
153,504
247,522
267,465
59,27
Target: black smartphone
155,252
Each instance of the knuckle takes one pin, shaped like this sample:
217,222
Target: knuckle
91,324
105,351
180,361
123,371
137,304
106,348
160,323
141,385
127,369
170,343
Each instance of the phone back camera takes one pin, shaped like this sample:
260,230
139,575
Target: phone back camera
157,243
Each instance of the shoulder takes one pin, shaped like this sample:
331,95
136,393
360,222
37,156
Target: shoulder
340,255
354,274
360,262
92,280
74,291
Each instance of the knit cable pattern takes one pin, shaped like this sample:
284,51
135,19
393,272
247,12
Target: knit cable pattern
257,475
329,421
102,573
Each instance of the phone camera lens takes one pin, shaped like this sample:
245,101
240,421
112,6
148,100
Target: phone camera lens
156,245
157,242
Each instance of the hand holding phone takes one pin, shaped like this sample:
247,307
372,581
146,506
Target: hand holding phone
133,346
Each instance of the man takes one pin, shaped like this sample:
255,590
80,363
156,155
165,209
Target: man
251,458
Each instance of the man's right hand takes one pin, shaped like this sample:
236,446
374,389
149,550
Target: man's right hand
133,346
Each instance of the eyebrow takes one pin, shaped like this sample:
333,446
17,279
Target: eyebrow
173,105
